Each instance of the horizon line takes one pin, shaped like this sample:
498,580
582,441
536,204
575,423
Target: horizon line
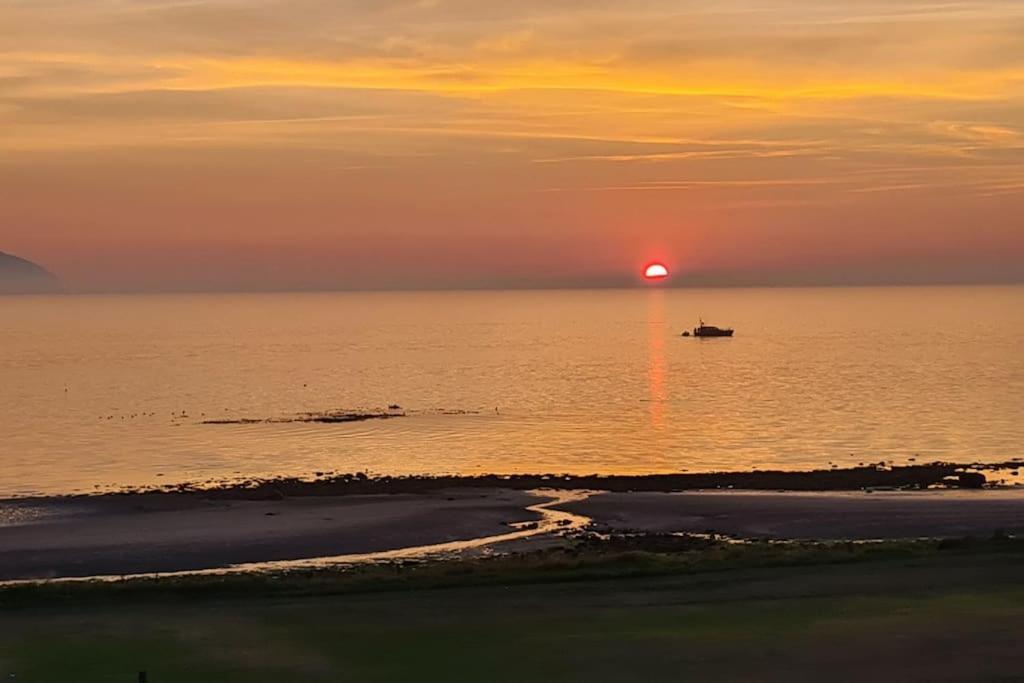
524,288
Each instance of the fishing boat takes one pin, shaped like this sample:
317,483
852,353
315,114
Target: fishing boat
703,330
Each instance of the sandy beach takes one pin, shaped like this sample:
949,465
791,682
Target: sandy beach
138,533
829,515
112,535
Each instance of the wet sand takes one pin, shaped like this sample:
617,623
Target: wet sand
172,532
819,516
133,534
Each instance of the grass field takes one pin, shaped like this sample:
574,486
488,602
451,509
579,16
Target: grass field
896,614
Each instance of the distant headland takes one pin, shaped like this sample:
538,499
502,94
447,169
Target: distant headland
20,276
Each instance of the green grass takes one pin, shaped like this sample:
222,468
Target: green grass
899,611
585,560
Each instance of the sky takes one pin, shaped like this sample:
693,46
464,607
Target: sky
153,145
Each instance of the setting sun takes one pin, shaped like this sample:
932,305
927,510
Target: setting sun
656,271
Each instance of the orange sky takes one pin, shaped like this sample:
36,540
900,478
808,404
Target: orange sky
281,144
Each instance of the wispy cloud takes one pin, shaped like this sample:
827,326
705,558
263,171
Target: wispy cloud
687,185
625,125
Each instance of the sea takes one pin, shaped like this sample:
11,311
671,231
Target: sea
103,392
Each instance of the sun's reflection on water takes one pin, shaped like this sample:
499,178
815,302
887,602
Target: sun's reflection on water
656,370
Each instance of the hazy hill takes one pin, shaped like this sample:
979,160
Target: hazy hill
19,276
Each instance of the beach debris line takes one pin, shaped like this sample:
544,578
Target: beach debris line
877,477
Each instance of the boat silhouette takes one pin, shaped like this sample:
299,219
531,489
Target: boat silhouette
704,330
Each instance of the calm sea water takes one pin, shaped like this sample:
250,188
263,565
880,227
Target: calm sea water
92,389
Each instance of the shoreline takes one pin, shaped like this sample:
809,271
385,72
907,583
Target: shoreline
936,475
145,534
291,523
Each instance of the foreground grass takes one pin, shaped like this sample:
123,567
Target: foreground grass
586,558
626,611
